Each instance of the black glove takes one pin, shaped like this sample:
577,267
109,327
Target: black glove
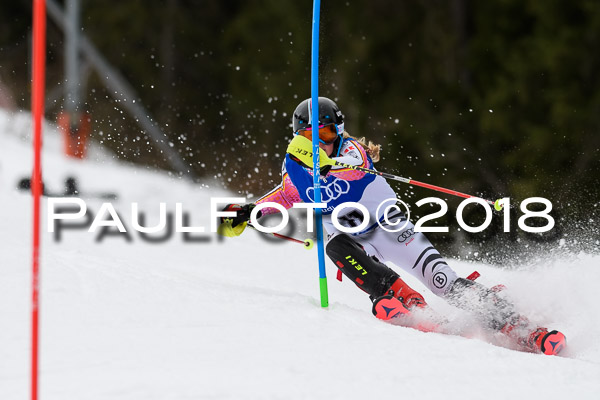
243,213
234,226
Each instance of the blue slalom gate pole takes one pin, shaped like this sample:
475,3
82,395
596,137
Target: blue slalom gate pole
315,142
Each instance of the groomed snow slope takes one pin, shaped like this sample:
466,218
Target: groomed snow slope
240,318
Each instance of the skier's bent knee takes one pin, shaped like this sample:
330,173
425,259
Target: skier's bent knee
368,273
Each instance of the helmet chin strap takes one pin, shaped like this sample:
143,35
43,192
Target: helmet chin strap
339,140
340,131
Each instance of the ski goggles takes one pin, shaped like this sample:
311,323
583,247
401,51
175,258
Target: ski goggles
327,133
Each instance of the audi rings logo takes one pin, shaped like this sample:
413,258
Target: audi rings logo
330,192
404,236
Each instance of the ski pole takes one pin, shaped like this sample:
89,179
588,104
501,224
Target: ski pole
496,204
308,243
301,152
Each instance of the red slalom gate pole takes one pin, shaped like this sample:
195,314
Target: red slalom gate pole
37,107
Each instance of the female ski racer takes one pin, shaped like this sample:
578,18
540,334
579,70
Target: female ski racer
361,255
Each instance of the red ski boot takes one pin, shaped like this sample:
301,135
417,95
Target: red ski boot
549,343
406,306
400,299
538,341
388,307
